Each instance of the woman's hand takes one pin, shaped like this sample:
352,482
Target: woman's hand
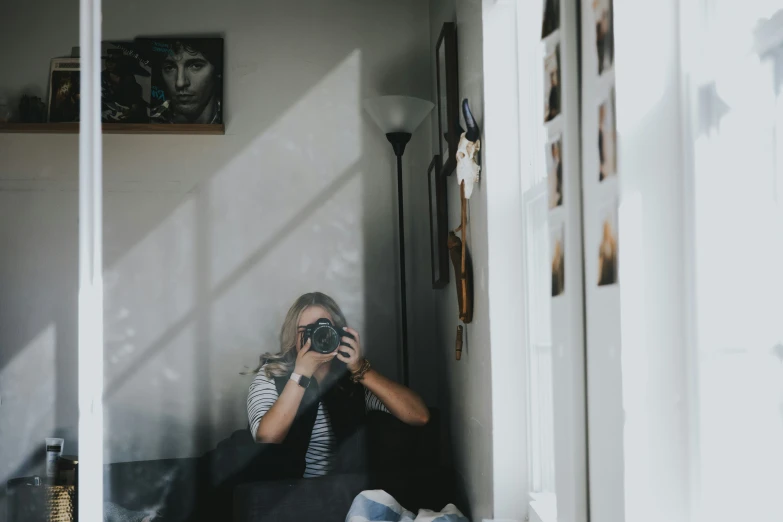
308,362
351,354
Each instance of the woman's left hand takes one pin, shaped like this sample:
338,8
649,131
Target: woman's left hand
351,354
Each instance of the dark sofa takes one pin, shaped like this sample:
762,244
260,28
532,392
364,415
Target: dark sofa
241,481
329,498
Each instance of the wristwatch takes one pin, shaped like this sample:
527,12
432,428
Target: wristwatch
301,380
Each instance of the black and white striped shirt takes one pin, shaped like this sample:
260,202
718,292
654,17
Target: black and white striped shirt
318,460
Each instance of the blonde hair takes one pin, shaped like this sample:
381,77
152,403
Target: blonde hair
282,363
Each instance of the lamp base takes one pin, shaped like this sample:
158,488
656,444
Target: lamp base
398,141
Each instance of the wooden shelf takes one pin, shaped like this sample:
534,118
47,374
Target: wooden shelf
116,128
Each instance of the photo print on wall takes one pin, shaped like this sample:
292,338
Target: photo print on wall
604,34
557,248
608,252
551,18
552,95
187,79
554,169
607,138
64,90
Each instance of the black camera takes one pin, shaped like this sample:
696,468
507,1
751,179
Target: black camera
324,336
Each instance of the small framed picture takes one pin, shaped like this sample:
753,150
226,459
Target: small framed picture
64,90
439,252
607,138
125,84
552,96
554,170
447,84
608,252
557,248
604,34
551,19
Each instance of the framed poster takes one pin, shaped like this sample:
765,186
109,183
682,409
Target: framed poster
552,97
447,85
64,90
125,84
187,79
439,252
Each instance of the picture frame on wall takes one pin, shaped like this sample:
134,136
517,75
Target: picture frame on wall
552,90
557,254
439,252
200,60
607,138
447,85
64,90
551,18
554,169
603,10
608,251
125,83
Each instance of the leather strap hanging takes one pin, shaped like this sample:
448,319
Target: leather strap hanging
460,259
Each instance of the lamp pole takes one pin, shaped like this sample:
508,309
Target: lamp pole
398,117
398,141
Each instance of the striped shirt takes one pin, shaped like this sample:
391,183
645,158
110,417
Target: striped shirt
320,452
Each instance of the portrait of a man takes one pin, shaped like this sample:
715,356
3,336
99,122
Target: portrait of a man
187,80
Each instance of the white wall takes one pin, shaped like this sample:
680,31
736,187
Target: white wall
209,239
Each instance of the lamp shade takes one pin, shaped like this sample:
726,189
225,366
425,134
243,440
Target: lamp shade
398,113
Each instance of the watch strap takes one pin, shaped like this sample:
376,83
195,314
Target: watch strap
301,380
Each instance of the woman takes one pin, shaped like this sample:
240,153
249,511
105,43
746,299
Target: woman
312,404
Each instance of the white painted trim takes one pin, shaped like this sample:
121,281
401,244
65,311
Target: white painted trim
90,335
504,237
568,335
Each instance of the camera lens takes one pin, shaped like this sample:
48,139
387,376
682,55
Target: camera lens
325,339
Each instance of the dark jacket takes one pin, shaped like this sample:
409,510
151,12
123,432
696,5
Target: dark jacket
344,400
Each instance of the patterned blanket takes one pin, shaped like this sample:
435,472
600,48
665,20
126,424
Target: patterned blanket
379,506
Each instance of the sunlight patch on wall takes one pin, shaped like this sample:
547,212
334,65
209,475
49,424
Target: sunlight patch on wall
148,290
301,155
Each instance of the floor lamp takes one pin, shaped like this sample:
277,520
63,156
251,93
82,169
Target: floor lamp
398,117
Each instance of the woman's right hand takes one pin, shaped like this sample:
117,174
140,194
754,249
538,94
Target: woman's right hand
307,362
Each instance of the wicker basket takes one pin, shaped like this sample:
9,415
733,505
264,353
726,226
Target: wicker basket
42,503
61,503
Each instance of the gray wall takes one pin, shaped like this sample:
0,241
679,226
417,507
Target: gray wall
209,239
